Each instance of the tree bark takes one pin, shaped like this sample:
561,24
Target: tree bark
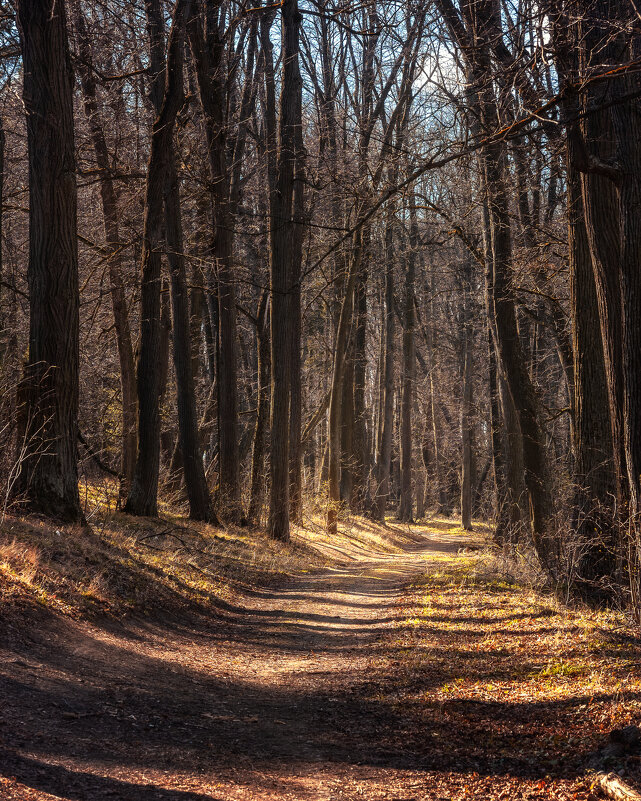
48,477
208,56
405,510
295,278
200,507
282,229
109,200
262,417
334,434
360,450
594,533
466,401
143,495
384,455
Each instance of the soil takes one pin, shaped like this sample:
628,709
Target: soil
284,695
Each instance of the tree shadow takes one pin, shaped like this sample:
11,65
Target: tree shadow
77,785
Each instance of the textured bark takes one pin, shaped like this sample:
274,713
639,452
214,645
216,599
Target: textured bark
208,57
262,417
405,509
440,490
384,454
48,477
295,277
614,787
594,473
200,507
347,427
282,229
109,200
594,535
143,495
334,434
360,449
507,442
513,363
607,150
627,128
595,140
466,402
475,41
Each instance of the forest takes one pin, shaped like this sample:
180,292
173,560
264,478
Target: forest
311,265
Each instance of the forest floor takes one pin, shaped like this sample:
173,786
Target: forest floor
395,665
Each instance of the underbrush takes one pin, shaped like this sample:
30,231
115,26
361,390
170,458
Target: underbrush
533,686
124,565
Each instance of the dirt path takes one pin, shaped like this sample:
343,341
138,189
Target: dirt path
274,701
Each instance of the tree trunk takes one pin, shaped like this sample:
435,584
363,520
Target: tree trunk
384,455
518,380
627,127
466,402
282,229
262,417
335,412
200,507
360,451
143,495
405,510
296,257
48,477
595,139
211,74
594,534
114,245
347,428
476,44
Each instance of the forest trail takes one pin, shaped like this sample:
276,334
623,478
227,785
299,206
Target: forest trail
290,695
263,704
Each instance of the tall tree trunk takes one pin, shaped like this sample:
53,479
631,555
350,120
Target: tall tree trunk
594,534
49,474
229,455
594,473
627,127
295,278
262,417
200,507
143,495
595,140
347,428
335,412
476,42
512,360
361,458
502,501
507,441
466,401
405,509
282,229
114,246
384,455
211,72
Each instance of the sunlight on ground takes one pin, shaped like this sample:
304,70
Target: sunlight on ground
126,564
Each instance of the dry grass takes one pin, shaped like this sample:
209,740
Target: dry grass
123,565
506,678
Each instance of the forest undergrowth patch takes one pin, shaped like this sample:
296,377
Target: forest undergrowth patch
511,688
123,565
